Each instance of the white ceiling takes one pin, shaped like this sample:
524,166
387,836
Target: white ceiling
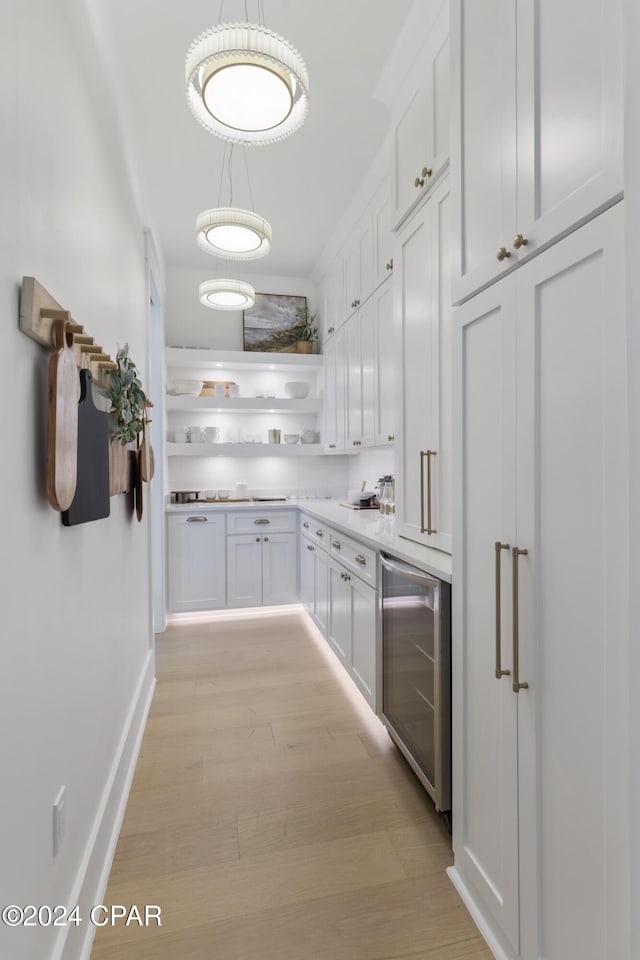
302,184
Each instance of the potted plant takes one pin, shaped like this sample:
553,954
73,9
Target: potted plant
306,329
128,399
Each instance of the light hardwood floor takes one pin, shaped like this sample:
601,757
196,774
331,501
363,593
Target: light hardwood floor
270,816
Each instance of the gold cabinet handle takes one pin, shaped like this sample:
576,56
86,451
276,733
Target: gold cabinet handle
517,685
503,254
361,560
391,437
197,519
331,329
424,175
319,533
305,525
262,520
499,547
336,544
390,264
332,446
428,529
520,241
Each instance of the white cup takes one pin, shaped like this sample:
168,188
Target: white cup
219,390
210,494
223,494
196,434
180,435
212,434
242,489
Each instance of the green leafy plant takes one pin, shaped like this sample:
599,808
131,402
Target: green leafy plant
306,328
127,398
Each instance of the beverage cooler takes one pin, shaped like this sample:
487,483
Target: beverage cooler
416,672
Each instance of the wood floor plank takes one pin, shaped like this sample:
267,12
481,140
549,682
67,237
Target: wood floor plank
272,818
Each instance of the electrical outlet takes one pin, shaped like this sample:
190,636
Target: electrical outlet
58,820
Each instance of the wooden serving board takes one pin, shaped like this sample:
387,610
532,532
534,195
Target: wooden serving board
208,388
91,500
354,506
62,440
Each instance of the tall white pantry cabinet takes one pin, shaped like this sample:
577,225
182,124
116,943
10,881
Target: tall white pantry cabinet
540,595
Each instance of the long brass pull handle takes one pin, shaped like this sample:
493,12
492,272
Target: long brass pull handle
262,521
515,553
499,671
197,519
428,454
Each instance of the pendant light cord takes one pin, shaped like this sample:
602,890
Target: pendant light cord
230,172
246,12
224,156
246,167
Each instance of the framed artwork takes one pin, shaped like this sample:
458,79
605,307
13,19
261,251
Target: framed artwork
271,325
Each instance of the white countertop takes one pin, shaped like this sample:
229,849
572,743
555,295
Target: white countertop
367,526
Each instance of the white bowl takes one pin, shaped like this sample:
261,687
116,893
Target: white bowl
189,388
291,438
297,389
355,496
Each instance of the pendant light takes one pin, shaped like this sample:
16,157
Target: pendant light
246,83
232,232
227,294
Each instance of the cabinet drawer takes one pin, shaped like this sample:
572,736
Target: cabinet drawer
351,554
317,532
280,521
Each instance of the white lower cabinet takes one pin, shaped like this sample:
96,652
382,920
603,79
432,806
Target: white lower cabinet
196,562
352,627
262,570
313,581
540,603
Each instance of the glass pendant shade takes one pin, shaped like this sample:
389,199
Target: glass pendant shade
246,84
227,294
233,234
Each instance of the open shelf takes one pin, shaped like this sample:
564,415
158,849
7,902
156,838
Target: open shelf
243,404
241,360
245,449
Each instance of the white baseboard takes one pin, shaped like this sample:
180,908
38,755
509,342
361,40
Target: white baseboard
75,942
476,915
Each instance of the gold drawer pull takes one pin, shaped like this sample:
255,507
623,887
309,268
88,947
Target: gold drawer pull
361,560
336,544
319,533
262,520
499,547
197,519
520,241
517,685
503,254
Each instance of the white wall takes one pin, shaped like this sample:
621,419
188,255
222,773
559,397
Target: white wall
189,324
632,207
76,643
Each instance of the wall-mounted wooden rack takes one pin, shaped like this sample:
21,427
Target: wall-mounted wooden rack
39,310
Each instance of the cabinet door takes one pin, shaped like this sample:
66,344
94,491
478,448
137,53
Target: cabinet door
412,295
334,392
279,568
368,372
321,586
332,299
570,101
381,217
244,570
339,614
307,574
483,139
572,519
358,264
196,562
353,367
420,127
441,437
364,639
484,713
385,365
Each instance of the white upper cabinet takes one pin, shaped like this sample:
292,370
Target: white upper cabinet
385,367
537,126
420,124
334,393
422,325
381,218
332,299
